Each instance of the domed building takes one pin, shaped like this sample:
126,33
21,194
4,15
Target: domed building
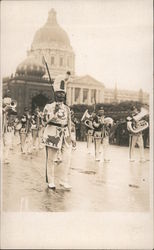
31,86
52,42
30,67
28,86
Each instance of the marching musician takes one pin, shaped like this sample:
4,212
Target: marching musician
17,127
57,134
39,115
25,132
101,134
8,140
134,138
36,128
98,124
90,132
9,113
88,118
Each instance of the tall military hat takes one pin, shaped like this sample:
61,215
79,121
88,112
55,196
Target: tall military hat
60,82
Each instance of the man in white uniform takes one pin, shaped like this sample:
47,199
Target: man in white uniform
57,133
135,138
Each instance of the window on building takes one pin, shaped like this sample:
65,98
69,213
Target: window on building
52,60
61,61
85,96
77,94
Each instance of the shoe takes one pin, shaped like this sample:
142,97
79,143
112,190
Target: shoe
65,185
51,186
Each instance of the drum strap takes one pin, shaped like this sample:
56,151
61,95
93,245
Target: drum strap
46,174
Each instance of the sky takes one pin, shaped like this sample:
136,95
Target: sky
112,39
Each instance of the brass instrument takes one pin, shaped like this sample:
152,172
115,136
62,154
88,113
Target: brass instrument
86,115
9,104
108,121
140,124
89,124
9,107
87,118
13,104
101,120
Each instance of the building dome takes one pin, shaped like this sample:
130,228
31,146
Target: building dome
50,33
30,66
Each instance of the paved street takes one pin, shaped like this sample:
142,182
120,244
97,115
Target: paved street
97,187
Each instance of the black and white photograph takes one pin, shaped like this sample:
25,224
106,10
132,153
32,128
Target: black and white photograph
77,124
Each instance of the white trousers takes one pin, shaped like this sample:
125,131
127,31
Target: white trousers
8,140
136,139
89,141
99,149
106,148
64,165
26,142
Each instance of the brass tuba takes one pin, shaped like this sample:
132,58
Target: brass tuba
9,105
140,124
87,119
108,121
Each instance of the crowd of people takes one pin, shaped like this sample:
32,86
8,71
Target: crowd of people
56,129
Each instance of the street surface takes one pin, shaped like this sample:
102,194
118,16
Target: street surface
118,186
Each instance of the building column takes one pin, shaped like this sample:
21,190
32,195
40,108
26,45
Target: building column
89,97
98,96
68,96
101,96
72,96
81,96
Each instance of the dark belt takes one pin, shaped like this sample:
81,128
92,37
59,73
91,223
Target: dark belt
57,124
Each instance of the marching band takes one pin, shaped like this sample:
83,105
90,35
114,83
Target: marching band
54,129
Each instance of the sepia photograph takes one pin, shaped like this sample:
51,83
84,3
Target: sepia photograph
77,124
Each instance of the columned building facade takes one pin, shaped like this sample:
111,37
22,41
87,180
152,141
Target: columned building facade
85,90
